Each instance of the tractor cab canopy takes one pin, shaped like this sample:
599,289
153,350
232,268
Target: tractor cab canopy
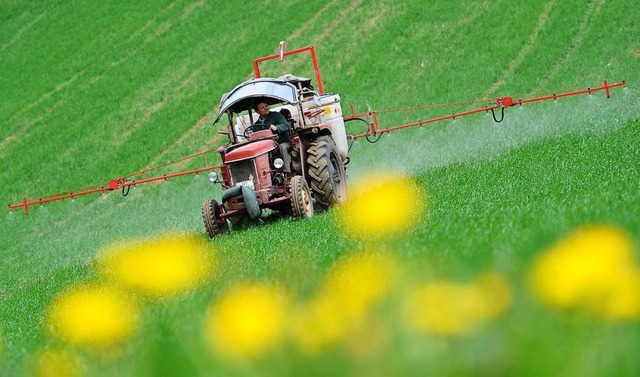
246,96
302,83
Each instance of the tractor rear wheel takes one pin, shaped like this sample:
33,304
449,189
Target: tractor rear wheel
301,204
213,223
327,172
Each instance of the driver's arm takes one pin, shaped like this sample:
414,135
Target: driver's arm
280,122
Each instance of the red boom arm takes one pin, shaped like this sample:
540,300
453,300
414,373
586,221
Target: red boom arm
373,128
371,118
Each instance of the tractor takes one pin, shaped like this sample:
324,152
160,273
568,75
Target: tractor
252,175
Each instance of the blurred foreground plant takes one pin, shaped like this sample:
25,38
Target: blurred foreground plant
448,307
159,267
381,205
247,320
344,300
56,363
93,316
593,269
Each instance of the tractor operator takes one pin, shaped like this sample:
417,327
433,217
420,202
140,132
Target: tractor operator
279,125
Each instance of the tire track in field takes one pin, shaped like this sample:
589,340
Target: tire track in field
591,14
144,104
142,32
158,32
524,51
199,124
307,25
21,32
472,12
298,60
49,110
334,25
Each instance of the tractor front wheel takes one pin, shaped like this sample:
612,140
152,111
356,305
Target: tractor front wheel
301,204
327,172
213,223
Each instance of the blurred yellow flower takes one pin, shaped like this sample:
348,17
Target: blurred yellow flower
93,316
247,320
593,269
56,363
381,205
158,267
453,308
359,280
496,293
320,323
344,300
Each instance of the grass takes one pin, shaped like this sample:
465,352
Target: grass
98,91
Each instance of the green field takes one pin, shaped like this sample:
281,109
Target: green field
92,91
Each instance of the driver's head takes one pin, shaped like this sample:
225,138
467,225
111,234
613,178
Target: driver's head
262,108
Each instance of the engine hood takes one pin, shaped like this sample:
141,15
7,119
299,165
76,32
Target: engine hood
250,150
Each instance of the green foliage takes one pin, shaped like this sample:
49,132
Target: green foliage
96,90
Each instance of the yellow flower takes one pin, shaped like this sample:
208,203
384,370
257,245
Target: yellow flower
93,316
381,205
159,267
623,302
247,320
592,269
453,308
345,298
359,280
496,294
320,323
56,363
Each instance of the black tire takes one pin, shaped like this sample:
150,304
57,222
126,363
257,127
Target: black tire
301,204
212,221
327,173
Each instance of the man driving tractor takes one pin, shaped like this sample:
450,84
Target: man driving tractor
279,125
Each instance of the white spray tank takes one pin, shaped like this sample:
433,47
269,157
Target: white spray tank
331,115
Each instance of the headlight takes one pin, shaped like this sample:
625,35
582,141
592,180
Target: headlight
278,163
213,177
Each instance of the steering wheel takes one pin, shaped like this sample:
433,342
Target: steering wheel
251,129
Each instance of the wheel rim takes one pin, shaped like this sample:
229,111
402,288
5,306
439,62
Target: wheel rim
213,223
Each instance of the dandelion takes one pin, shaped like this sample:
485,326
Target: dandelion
381,205
359,280
93,316
592,269
320,323
56,363
161,267
453,308
247,321
344,301
496,294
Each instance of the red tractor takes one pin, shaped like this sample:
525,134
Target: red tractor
253,177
